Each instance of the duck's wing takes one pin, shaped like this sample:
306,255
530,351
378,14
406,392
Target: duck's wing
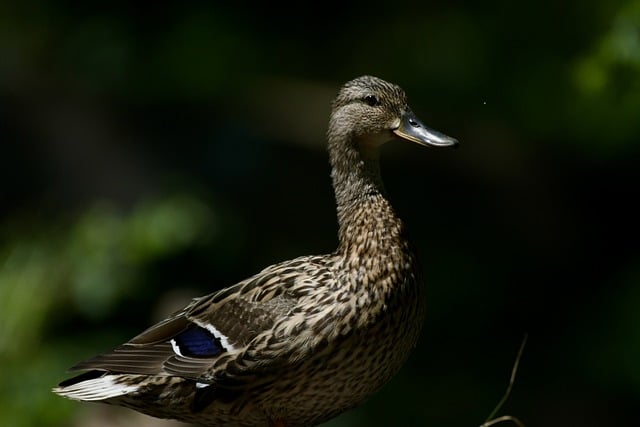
224,335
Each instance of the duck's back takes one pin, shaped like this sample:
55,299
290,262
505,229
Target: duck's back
336,348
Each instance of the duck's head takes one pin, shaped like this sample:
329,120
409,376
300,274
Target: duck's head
371,111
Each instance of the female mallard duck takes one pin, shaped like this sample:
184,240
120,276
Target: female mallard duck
303,340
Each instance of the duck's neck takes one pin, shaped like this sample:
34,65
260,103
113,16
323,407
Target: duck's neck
363,210
355,173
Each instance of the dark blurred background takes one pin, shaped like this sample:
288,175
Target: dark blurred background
150,154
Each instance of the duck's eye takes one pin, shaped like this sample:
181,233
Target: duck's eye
371,100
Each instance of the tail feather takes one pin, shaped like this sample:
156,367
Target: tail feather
94,386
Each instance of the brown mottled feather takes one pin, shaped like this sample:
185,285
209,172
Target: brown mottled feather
303,340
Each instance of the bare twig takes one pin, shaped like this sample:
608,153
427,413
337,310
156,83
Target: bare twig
502,419
490,419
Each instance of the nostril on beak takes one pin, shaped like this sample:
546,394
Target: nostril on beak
414,123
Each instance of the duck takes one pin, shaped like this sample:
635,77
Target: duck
303,340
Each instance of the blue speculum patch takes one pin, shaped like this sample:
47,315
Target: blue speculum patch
198,342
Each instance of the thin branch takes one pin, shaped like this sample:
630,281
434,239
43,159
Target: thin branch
490,420
502,419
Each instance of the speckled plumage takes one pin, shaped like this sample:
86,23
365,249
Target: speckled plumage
303,340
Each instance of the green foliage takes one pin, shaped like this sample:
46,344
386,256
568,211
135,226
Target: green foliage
84,268
607,81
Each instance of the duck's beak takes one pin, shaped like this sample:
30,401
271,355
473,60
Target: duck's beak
412,129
